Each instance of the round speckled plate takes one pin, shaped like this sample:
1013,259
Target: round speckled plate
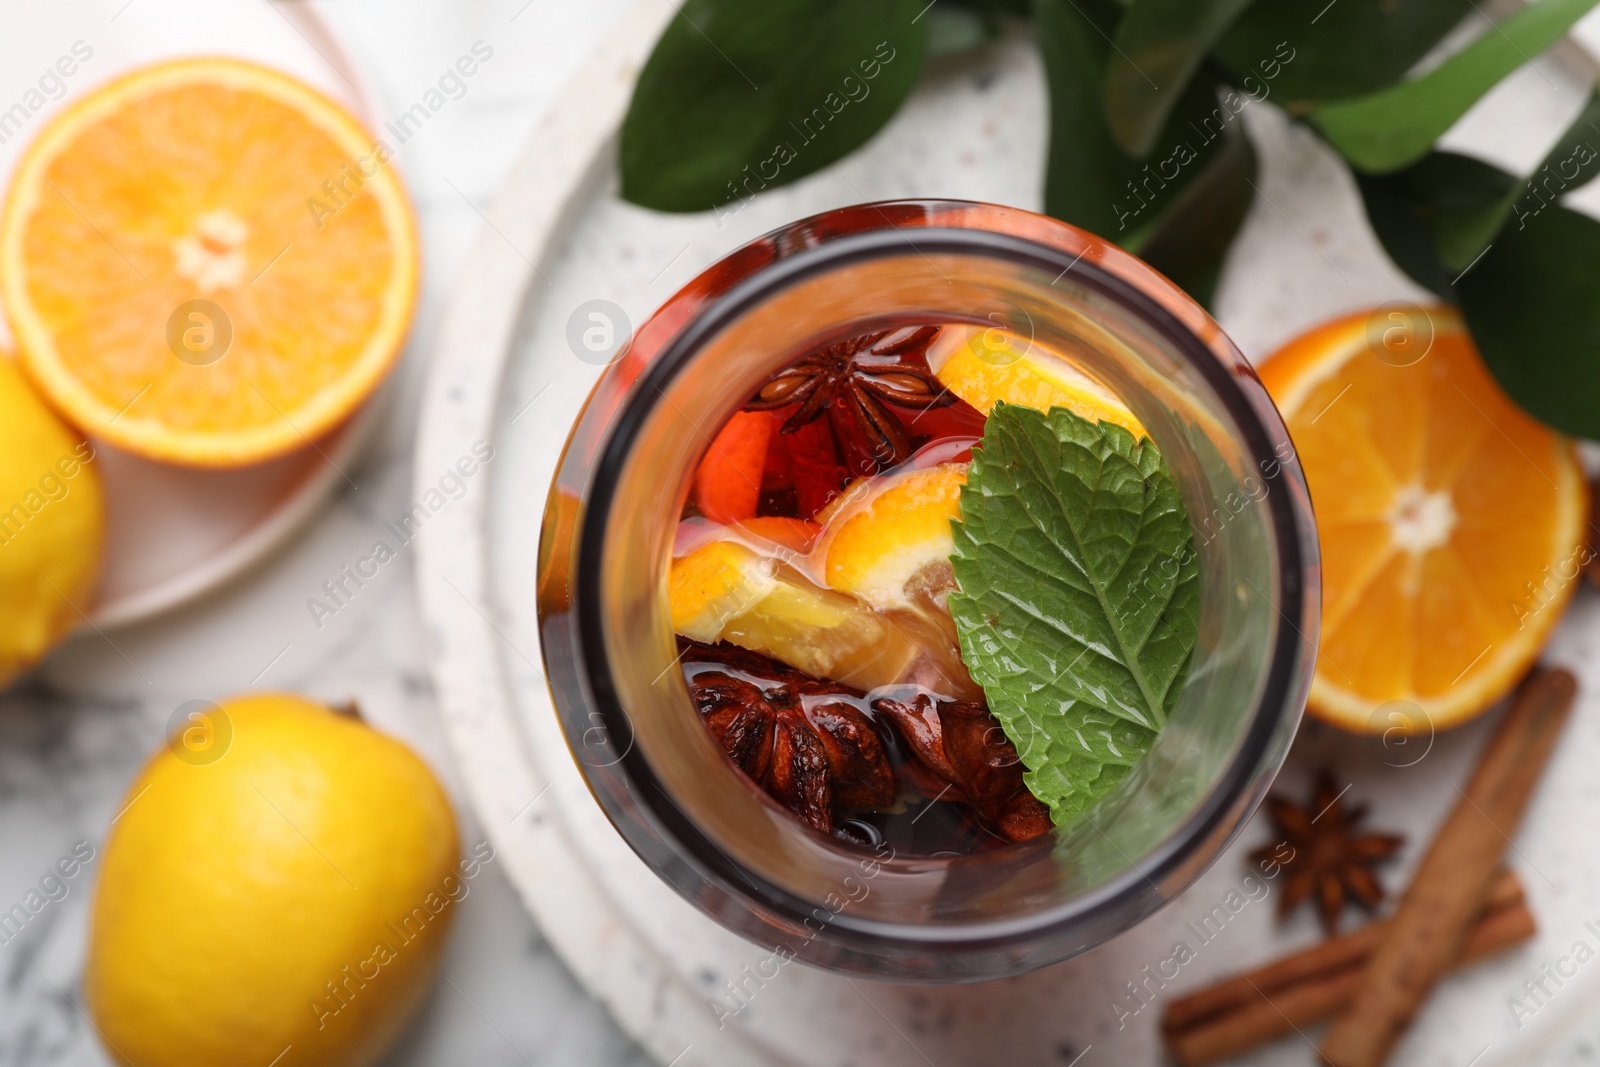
689,991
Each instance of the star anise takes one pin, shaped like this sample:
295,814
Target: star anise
853,382
812,754
1330,858
963,749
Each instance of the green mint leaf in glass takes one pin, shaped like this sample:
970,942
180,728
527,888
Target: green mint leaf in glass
1078,605
738,96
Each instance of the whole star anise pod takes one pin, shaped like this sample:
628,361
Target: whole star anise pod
853,381
812,754
1331,859
964,755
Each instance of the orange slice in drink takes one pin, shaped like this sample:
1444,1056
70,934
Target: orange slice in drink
726,591
983,367
206,262
1452,524
885,537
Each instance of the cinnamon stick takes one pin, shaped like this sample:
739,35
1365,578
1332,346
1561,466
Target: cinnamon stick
1431,923
1251,1009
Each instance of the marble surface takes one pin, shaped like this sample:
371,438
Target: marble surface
74,734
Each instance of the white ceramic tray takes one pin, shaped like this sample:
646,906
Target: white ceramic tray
502,372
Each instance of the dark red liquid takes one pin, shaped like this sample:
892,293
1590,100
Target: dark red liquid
918,764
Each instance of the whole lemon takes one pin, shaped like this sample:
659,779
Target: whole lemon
279,884
52,525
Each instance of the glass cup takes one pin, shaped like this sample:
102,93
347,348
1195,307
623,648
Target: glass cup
611,655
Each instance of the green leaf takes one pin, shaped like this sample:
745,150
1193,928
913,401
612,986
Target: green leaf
1193,236
1085,171
1010,7
1530,304
739,96
1436,215
1090,182
1078,604
1302,54
1523,268
1394,127
1158,46
953,30
1572,162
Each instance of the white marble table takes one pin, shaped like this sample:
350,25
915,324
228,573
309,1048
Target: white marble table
74,735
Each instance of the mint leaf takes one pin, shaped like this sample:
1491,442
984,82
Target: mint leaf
1079,595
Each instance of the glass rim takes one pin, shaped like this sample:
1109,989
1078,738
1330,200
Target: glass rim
1222,368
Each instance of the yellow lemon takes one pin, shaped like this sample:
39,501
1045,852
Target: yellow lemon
52,525
278,884
986,366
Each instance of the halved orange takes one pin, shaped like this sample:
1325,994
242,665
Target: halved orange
1452,524
206,262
